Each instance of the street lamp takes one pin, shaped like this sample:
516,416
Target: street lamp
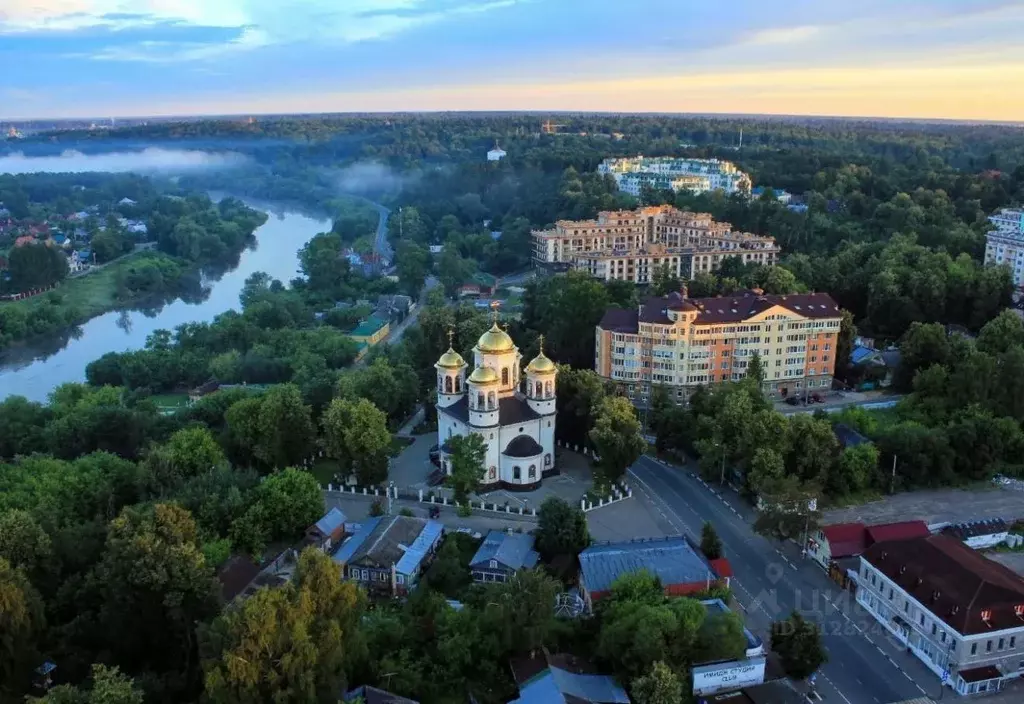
721,446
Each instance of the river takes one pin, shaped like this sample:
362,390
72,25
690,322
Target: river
36,369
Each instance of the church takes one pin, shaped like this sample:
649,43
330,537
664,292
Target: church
515,419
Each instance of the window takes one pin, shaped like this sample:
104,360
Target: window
458,385
517,473
447,384
1013,642
492,473
491,401
974,648
1002,643
548,389
400,578
922,619
504,376
890,593
934,629
533,471
493,564
547,459
988,646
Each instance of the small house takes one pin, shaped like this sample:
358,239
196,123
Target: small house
387,554
844,541
496,154
680,566
371,331
563,679
126,201
979,534
502,555
328,531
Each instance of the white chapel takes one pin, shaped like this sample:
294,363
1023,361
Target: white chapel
514,416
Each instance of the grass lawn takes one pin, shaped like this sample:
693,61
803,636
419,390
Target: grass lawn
170,403
398,445
93,293
324,470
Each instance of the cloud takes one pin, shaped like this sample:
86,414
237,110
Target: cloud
783,35
147,160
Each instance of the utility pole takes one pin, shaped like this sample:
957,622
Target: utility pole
721,481
892,483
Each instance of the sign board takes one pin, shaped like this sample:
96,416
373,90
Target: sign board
708,679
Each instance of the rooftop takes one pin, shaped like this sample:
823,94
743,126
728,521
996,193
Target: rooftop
369,326
513,550
974,529
672,560
372,695
969,592
720,309
511,410
845,539
333,520
401,541
549,679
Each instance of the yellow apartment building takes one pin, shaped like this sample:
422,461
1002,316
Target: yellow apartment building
685,343
631,244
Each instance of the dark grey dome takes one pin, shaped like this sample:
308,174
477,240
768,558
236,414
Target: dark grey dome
523,446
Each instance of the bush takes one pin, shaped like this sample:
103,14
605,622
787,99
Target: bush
464,510
406,512
377,508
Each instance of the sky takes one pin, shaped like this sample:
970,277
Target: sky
957,59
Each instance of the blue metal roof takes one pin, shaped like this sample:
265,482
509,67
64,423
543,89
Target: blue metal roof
555,684
333,520
415,553
672,560
514,550
349,547
860,353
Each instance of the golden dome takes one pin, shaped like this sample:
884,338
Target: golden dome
541,365
483,375
495,340
451,360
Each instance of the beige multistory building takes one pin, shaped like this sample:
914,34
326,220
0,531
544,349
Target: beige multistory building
685,343
630,245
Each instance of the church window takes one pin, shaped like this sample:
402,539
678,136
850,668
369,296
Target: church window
480,402
504,376
447,384
540,390
517,473
548,391
547,460
490,401
533,471
492,472
458,385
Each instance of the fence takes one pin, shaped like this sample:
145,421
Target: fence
620,492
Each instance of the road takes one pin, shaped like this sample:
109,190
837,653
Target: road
865,666
380,242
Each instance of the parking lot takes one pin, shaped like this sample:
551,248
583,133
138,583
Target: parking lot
935,506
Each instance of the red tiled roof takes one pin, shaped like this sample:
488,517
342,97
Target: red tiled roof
897,531
953,581
845,539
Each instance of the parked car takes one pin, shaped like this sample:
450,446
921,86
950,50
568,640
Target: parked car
816,398
434,512
792,400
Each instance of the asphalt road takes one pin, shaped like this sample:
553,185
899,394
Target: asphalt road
865,667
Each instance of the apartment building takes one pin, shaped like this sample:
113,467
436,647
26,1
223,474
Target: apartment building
630,245
632,174
960,613
685,343
1005,244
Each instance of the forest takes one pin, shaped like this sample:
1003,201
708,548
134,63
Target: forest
115,517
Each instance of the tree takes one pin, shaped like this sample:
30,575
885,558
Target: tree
187,453
755,370
617,438
35,266
710,543
664,281
356,435
787,510
659,686
721,638
283,506
798,644
152,586
276,427
580,392
561,529
289,644
467,456
21,624
453,270
411,263
854,471
448,573
525,613
1001,334
109,686
23,543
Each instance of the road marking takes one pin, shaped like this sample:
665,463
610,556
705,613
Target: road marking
920,688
